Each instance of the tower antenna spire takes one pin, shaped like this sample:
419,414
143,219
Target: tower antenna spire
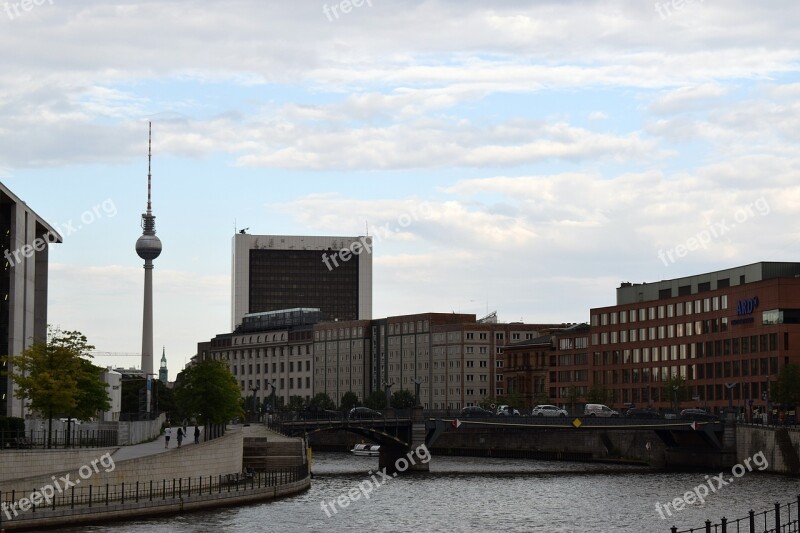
149,160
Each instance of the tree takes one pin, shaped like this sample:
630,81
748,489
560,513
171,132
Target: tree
786,390
598,394
321,402
296,403
209,392
57,378
403,399
349,400
676,390
376,400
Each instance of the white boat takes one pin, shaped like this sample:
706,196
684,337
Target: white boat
367,450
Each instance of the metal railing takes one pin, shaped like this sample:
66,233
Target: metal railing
17,504
780,519
76,438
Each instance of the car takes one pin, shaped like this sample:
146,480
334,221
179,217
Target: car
548,410
364,412
507,410
474,411
698,415
597,409
640,412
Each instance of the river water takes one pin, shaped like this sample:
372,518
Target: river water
487,495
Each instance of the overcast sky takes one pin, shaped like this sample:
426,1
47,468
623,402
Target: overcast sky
518,156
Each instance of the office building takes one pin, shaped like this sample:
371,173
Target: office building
276,272
270,354
25,239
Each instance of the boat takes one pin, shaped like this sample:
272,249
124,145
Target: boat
366,450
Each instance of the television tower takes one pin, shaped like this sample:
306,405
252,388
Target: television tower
148,246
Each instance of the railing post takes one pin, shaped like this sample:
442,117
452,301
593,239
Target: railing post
33,505
190,487
137,492
90,495
724,525
72,503
752,521
123,493
151,490
163,489
106,494
180,487
708,526
173,488
777,516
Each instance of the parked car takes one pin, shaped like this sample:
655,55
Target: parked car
640,412
597,409
475,412
507,410
364,412
548,410
698,414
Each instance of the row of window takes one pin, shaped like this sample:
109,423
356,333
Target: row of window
642,314
239,370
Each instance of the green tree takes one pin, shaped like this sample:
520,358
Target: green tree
209,392
598,394
296,403
403,399
376,400
676,390
57,378
349,400
787,389
321,402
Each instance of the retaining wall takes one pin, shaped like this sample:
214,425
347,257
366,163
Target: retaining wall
781,447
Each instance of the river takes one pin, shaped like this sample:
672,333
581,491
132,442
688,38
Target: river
487,495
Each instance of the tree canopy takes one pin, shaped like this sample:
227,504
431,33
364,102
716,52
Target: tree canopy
376,400
403,399
321,402
57,378
787,388
209,392
349,400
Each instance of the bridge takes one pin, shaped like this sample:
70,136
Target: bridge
400,432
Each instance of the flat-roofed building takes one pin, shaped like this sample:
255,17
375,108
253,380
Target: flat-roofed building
25,240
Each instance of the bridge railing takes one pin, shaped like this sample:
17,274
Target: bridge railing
781,518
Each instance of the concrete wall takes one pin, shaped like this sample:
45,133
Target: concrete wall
44,517
219,456
141,431
751,440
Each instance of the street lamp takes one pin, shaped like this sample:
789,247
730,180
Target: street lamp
388,387
254,390
272,401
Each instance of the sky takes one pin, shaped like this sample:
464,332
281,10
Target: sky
519,156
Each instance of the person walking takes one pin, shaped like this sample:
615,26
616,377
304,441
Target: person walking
197,434
180,436
167,434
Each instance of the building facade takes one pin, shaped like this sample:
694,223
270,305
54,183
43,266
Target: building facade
269,354
25,239
452,357
726,333
275,272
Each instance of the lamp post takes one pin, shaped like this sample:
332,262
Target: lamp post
272,400
388,386
254,390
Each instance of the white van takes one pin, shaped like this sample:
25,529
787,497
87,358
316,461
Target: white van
598,409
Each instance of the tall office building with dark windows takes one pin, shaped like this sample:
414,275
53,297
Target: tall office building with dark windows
276,272
25,239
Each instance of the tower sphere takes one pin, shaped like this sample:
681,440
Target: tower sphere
148,247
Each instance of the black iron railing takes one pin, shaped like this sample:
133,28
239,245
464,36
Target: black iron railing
780,519
76,438
18,504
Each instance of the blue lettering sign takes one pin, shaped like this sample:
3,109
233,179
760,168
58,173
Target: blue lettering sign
745,307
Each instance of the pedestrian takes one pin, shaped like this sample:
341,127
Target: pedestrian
197,434
180,436
167,433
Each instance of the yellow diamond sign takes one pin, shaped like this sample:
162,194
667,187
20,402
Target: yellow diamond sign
577,423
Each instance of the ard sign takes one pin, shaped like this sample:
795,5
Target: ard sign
746,307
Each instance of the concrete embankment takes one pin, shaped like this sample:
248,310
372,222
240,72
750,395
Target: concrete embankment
780,446
97,485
